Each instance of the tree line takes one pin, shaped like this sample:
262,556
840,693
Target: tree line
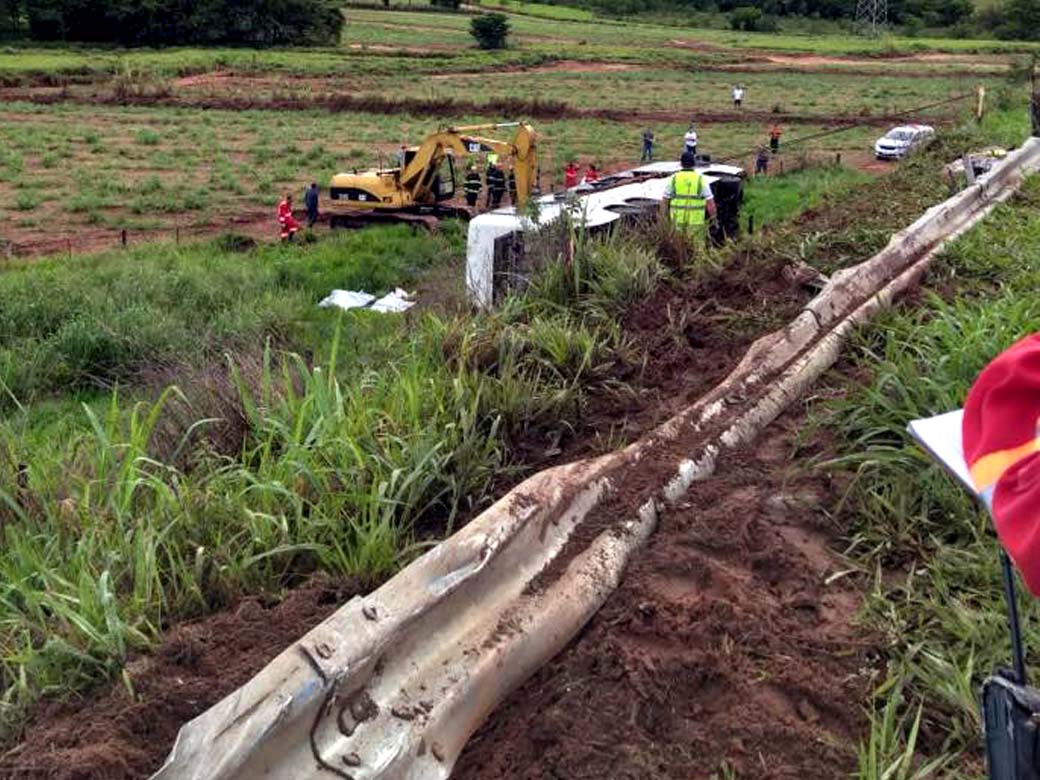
1016,19
169,22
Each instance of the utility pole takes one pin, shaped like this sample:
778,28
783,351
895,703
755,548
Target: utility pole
871,16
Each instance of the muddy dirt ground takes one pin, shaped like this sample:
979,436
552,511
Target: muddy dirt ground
723,654
113,734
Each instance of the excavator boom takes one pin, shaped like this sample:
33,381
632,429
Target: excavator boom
428,176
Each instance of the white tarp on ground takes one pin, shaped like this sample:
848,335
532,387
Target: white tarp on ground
347,299
592,208
397,301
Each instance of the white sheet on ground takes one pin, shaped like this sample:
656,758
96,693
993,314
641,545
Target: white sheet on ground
397,301
347,299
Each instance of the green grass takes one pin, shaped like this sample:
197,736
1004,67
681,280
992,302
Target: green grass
163,303
772,199
542,10
940,607
290,438
540,33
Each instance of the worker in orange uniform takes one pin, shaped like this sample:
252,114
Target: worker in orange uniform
286,221
592,174
774,138
570,175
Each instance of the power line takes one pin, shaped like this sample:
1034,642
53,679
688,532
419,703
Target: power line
844,128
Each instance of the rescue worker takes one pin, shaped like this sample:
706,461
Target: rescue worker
472,186
496,182
571,175
592,174
762,161
310,201
648,146
690,141
286,221
492,161
774,138
689,200
511,182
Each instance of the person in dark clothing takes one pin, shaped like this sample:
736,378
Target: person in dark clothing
762,162
511,181
648,145
472,186
310,201
496,182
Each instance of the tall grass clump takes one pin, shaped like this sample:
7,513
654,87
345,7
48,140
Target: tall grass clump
940,604
287,439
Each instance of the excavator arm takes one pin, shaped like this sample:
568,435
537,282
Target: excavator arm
419,174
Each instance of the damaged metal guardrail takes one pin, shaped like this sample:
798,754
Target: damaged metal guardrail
393,684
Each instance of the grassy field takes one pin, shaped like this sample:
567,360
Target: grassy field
441,43
82,173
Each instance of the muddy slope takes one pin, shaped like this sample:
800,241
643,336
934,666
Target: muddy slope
116,734
723,650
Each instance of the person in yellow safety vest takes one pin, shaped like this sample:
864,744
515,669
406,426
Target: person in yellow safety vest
492,161
689,199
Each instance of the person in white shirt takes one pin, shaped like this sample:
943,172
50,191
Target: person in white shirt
738,96
690,141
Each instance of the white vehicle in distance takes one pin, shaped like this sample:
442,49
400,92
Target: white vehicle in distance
898,141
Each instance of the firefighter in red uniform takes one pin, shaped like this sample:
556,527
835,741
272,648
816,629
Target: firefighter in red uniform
570,175
286,221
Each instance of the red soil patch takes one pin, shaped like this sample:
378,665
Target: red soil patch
723,649
203,79
39,242
113,735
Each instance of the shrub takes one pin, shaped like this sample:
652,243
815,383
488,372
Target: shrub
490,30
452,4
750,19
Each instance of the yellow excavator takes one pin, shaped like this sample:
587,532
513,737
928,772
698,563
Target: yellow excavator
423,185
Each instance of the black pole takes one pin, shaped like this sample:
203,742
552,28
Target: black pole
1016,629
1034,98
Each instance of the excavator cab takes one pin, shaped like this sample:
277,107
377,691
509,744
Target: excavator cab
443,184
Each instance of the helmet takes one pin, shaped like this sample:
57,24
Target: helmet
687,160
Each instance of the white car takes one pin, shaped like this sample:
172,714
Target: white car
898,141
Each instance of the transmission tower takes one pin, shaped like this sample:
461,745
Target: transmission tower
871,16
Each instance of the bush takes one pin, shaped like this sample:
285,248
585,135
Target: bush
452,4
750,19
490,30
